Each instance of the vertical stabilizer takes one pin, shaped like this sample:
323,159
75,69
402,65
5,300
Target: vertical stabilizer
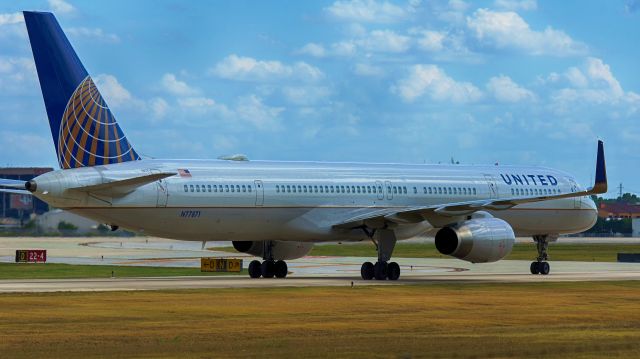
84,130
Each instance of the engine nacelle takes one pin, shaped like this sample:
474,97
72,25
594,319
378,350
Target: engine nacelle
281,250
478,240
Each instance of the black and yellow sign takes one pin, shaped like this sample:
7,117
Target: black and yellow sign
31,255
220,265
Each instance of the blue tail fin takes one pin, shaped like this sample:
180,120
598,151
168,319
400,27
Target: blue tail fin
83,128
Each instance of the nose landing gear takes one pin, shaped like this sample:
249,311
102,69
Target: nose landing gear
541,266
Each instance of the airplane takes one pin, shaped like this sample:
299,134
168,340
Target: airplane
278,210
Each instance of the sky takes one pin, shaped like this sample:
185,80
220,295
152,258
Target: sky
520,82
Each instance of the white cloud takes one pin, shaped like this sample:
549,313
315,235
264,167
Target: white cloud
509,30
368,70
504,89
10,19
253,110
592,83
159,107
15,72
61,7
385,41
423,80
92,33
113,92
176,87
431,40
515,5
305,95
313,49
369,11
235,67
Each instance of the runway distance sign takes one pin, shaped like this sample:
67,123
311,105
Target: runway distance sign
220,265
31,255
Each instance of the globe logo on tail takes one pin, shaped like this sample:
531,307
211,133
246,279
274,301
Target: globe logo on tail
89,134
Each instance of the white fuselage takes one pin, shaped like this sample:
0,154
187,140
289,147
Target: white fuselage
214,200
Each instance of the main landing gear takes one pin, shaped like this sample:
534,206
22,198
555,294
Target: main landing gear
385,241
269,268
541,266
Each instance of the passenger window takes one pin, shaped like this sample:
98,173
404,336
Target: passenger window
304,188
512,192
321,191
404,190
464,191
244,188
249,188
342,189
348,189
197,188
186,188
395,189
299,189
277,188
379,189
455,191
474,191
368,189
294,189
233,188
353,189
226,188
415,190
288,189
389,189
358,189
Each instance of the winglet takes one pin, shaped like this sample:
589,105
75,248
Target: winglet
600,186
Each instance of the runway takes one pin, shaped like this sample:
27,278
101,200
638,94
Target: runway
437,272
311,271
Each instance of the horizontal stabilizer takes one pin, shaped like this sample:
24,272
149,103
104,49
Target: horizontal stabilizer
15,191
4,182
121,187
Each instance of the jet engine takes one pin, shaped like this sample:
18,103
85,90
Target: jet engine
281,250
478,240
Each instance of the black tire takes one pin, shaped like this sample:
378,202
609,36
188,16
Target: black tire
366,271
380,270
281,269
393,271
544,268
535,268
255,269
268,269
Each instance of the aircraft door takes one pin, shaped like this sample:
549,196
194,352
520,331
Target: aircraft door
162,191
379,189
577,201
387,186
493,187
259,193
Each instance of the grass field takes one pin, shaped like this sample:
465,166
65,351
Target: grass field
547,320
526,251
54,270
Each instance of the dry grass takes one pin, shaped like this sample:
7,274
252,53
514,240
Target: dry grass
579,320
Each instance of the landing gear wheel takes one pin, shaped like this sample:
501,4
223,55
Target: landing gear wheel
255,269
268,269
393,271
280,269
380,270
535,268
544,268
367,271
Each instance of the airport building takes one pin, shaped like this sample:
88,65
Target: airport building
19,206
621,210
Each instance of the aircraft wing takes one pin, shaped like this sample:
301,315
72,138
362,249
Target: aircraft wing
443,213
